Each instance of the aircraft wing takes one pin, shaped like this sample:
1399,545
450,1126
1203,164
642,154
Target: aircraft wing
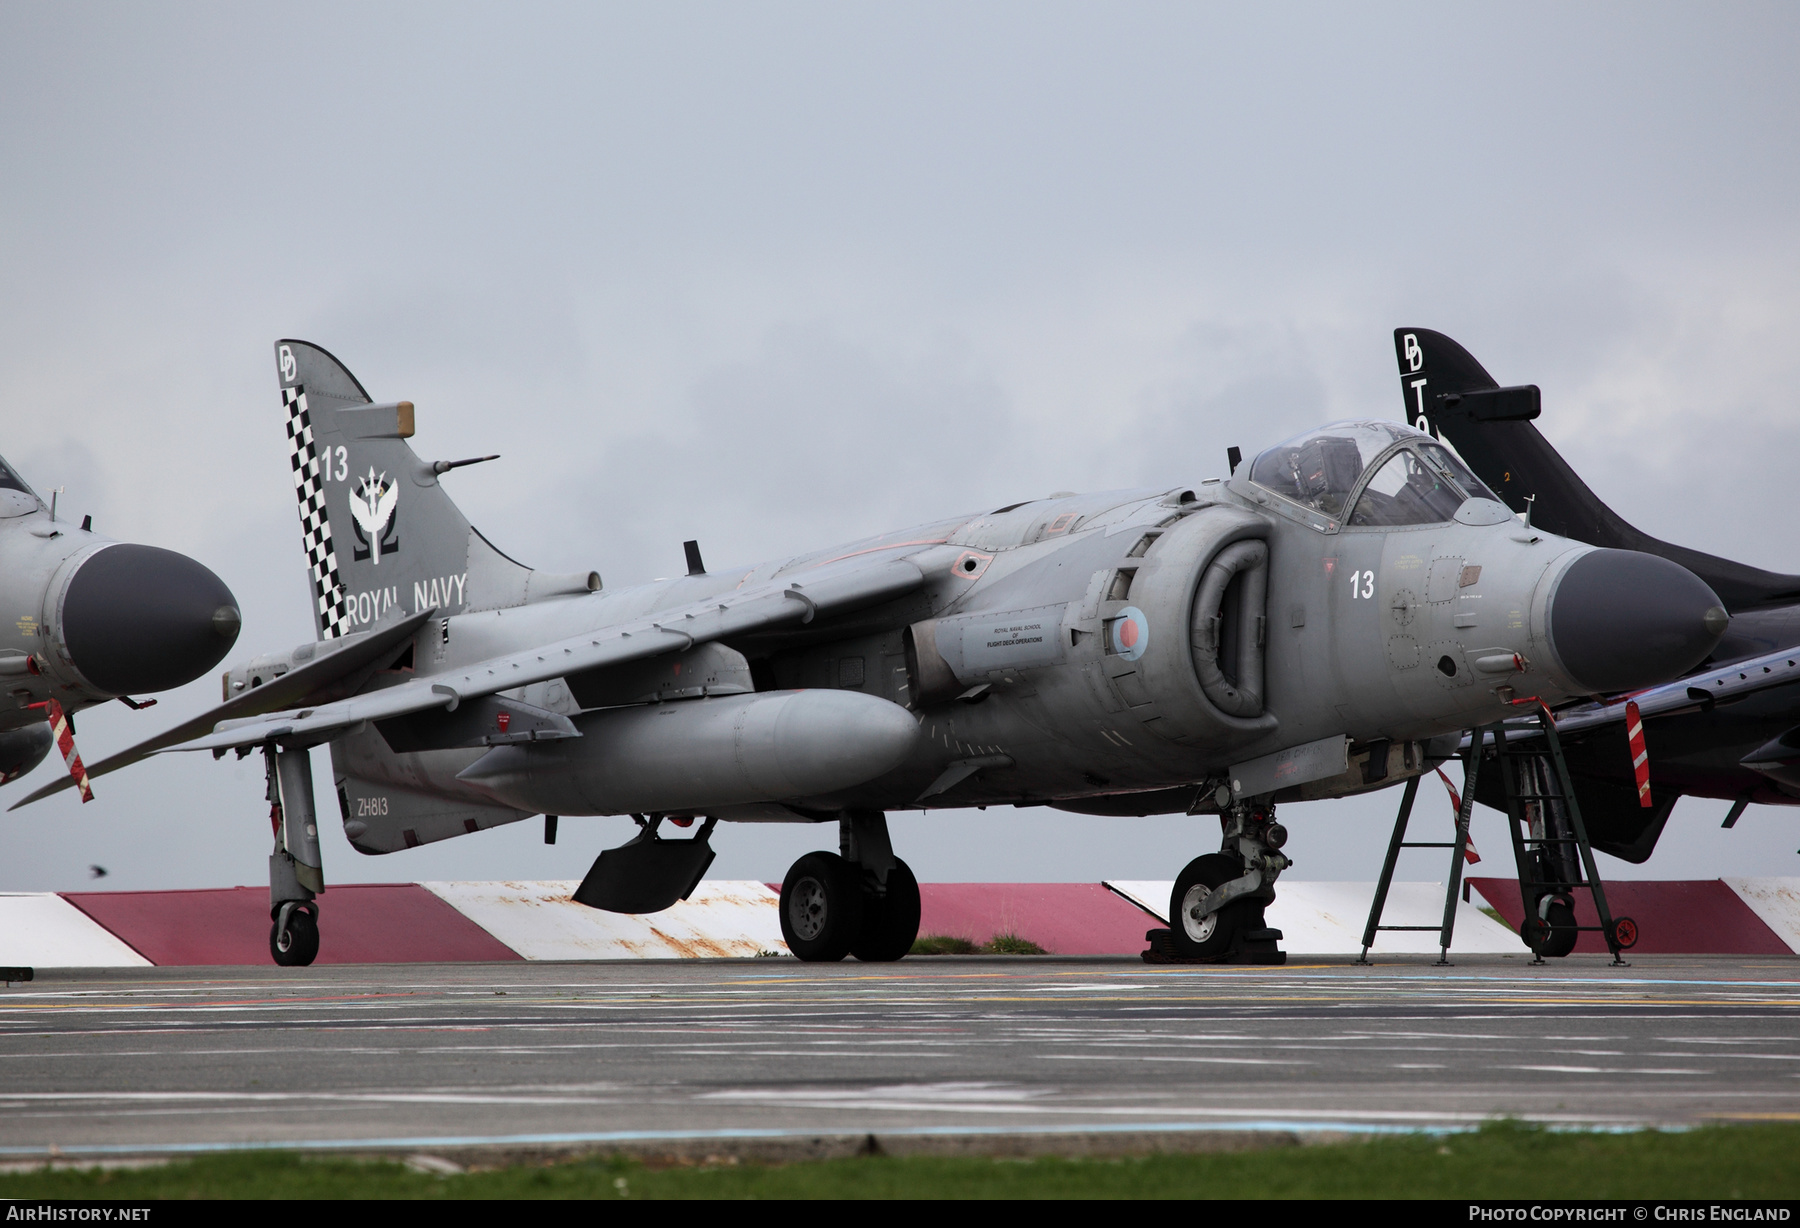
1723,684
788,600
340,668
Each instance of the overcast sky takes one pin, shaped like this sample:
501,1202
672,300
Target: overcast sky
775,275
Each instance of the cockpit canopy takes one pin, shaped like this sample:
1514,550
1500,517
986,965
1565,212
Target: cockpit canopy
1396,475
10,480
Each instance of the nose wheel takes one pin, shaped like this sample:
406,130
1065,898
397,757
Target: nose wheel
1216,907
1212,934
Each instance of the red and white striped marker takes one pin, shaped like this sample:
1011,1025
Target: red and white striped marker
1469,853
1640,757
65,742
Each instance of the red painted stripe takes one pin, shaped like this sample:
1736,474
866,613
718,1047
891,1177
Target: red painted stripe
65,742
390,923
1640,755
1469,853
1698,917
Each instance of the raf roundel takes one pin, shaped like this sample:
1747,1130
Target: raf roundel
1131,633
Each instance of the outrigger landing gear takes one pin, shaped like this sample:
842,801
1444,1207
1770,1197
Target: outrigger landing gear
1216,908
295,873
863,901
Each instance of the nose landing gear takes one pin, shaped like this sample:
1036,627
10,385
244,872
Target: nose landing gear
1216,907
863,901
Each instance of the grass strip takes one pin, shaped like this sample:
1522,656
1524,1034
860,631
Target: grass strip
1502,1160
999,944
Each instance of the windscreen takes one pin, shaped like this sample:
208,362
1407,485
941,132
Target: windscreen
1442,458
1407,490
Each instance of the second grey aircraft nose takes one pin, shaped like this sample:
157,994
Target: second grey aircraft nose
139,618
1620,620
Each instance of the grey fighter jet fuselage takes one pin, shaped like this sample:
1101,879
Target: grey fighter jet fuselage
88,620
1304,629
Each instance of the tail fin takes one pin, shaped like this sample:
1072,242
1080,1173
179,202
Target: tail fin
380,533
1451,395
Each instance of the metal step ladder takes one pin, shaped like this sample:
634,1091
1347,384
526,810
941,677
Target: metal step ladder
1550,845
1459,848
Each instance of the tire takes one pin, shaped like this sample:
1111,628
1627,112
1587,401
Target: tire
1212,936
821,907
302,940
1558,938
890,923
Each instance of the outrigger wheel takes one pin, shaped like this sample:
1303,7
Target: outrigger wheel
1210,936
1625,933
296,944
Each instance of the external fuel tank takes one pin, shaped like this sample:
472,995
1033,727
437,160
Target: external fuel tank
701,754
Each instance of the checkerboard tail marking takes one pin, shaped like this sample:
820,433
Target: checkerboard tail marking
315,524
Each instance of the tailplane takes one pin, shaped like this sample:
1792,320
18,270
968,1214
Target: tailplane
1452,396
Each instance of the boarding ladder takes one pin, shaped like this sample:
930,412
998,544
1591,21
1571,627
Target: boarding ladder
1550,843
1459,848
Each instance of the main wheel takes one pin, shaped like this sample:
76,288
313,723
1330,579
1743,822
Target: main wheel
1210,936
1555,935
821,907
890,922
300,945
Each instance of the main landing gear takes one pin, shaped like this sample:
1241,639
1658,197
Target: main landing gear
295,872
1216,908
863,901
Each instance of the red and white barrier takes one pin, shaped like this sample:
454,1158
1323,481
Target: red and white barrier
42,930
456,922
1700,917
1328,918
539,921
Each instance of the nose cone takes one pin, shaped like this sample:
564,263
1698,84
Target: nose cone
1620,620
137,618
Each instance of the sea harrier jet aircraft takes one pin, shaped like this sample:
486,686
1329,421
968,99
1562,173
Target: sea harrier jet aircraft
89,620
1313,626
1729,730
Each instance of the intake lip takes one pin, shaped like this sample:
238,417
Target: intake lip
1620,620
139,618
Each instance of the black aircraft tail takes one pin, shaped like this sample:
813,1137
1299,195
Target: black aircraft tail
1451,395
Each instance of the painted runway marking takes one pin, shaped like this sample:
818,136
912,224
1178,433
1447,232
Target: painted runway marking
713,1049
